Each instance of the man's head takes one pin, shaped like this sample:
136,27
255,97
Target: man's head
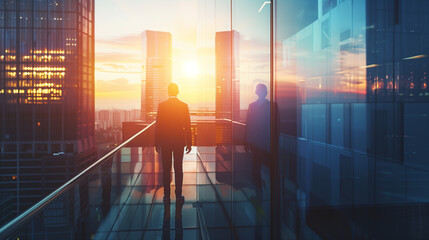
261,90
173,90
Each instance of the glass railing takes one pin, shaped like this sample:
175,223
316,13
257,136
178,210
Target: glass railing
120,195
245,205
78,209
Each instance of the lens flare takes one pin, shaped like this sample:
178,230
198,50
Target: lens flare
190,69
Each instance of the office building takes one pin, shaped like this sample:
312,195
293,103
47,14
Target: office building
113,118
46,97
227,75
357,73
156,71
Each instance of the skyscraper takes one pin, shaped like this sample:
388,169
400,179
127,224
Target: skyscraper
227,80
156,71
46,95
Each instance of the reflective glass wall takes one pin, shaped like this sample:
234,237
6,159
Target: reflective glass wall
236,34
351,85
251,153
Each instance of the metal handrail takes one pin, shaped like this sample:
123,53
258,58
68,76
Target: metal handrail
14,224
235,122
217,119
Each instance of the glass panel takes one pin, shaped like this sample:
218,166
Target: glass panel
40,19
350,84
25,4
251,94
86,210
38,94
2,18
26,19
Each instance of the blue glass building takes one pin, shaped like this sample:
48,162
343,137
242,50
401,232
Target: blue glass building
359,71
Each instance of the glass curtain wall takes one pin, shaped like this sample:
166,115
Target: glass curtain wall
234,38
351,85
251,208
46,97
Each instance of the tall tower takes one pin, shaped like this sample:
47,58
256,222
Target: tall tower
46,96
227,80
156,71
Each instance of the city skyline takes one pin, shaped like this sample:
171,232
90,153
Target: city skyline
156,71
118,53
119,81
227,75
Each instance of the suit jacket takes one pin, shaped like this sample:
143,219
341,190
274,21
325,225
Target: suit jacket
173,124
258,127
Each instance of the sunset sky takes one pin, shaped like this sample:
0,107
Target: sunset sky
118,28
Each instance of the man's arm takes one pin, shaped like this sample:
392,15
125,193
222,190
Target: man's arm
188,134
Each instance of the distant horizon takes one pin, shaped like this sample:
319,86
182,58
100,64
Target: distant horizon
118,46
193,107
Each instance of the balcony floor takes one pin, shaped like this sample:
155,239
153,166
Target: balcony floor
135,209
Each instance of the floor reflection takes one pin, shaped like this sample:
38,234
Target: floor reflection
178,222
131,200
166,222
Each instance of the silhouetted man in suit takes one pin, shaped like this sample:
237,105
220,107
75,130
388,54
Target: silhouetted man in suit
258,141
172,134
258,134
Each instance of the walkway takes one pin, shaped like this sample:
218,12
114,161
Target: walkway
136,210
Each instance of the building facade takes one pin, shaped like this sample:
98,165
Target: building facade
46,95
156,71
355,165
350,79
227,80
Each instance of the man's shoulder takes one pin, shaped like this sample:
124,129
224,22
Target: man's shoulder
183,103
260,102
252,104
163,103
173,102
178,102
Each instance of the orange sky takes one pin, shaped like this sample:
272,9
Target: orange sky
118,52
193,24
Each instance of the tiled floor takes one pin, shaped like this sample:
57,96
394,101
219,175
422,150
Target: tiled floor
136,210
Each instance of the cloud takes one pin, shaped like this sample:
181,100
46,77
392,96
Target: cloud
115,57
119,93
118,68
117,85
133,42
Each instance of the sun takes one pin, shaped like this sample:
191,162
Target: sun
190,68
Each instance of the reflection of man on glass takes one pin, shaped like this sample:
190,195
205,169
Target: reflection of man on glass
172,134
258,134
178,223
